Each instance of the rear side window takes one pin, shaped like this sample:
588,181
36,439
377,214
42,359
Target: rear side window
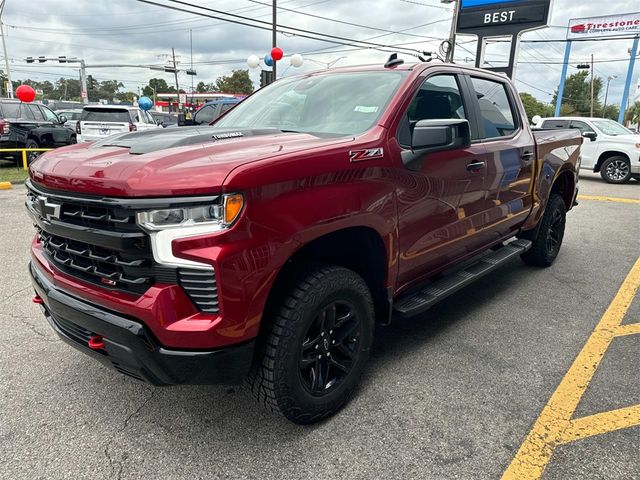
226,107
13,110
35,112
105,115
555,124
206,114
495,108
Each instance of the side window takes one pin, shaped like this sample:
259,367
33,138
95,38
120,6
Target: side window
495,108
49,115
135,116
33,112
438,98
226,107
206,114
582,126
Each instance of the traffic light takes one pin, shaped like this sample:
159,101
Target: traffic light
29,59
266,77
42,59
190,72
583,66
90,82
62,59
170,69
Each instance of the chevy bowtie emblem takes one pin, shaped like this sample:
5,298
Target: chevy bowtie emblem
47,209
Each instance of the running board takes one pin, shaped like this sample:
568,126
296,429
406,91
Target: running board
424,298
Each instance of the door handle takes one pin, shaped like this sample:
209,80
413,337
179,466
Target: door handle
527,156
476,166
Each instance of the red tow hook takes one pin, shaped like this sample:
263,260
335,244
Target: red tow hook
96,342
37,299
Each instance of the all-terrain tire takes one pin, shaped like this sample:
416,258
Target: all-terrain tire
548,240
277,378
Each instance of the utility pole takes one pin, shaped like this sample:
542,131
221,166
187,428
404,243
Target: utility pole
191,51
592,85
84,92
6,57
273,37
606,95
452,32
175,72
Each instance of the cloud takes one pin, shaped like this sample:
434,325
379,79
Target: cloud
130,32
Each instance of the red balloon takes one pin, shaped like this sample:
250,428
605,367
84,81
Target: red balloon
25,93
277,53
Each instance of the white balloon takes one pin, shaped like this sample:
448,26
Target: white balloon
296,60
253,61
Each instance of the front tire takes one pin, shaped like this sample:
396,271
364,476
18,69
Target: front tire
616,170
318,345
548,240
31,156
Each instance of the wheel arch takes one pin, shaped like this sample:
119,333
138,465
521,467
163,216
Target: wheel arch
604,156
565,186
359,248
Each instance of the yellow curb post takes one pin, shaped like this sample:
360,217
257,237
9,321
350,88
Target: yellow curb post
5,185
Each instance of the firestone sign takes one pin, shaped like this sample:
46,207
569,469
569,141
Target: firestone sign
609,26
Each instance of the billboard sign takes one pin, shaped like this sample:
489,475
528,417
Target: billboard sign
609,26
501,17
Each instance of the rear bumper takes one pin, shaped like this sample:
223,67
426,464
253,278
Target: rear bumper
129,346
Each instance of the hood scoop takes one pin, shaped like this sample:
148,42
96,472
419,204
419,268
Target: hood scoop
149,141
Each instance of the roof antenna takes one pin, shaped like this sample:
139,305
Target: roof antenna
393,61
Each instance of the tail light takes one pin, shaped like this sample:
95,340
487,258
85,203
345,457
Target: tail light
78,129
132,128
4,127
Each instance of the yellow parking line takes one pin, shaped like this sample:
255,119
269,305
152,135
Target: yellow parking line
551,427
631,329
601,423
609,199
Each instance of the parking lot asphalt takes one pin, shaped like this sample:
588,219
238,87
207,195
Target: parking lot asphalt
457,393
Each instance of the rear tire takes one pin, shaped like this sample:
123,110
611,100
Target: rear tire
31,156
317,346
616,170
548,240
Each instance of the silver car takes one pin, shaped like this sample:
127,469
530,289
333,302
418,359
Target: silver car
73,115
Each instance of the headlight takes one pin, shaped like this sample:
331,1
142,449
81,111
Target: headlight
222,214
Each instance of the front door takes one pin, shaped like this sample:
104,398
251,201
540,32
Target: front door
441,204
589,149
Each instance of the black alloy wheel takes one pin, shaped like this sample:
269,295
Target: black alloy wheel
329,348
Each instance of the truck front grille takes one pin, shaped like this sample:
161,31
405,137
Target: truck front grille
98,240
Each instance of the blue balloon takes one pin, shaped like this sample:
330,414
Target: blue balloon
145,103
268,60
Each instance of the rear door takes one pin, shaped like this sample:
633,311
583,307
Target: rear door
442,203
98,122
510,156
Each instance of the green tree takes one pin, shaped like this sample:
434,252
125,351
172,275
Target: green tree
237,82
577,94
160,85
612,112
534,107
126,97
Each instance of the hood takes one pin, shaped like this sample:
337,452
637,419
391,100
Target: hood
184,161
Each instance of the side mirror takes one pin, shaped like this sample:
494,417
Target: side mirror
593,136
440,135
62,119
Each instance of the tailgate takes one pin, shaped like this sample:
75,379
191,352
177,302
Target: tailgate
103,129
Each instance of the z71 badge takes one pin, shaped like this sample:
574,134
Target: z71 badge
369,154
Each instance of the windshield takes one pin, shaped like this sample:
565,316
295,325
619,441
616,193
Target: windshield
609,127
336,104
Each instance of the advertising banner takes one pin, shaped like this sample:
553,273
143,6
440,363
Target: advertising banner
609,26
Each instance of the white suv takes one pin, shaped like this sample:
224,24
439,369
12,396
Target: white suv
99,121
608,148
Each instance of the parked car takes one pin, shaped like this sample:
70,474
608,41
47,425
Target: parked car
31,125
609,148
164,119
209,112
271,243
99,121
72,116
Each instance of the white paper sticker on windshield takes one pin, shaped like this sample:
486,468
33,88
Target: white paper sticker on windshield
365,109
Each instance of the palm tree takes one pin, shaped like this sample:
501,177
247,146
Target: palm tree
633,114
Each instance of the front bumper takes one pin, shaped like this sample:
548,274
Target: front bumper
129,346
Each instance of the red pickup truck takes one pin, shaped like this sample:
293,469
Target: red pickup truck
269,245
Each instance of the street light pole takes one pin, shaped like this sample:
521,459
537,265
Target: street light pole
452,32
592,85
6,57
606,95
273,37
